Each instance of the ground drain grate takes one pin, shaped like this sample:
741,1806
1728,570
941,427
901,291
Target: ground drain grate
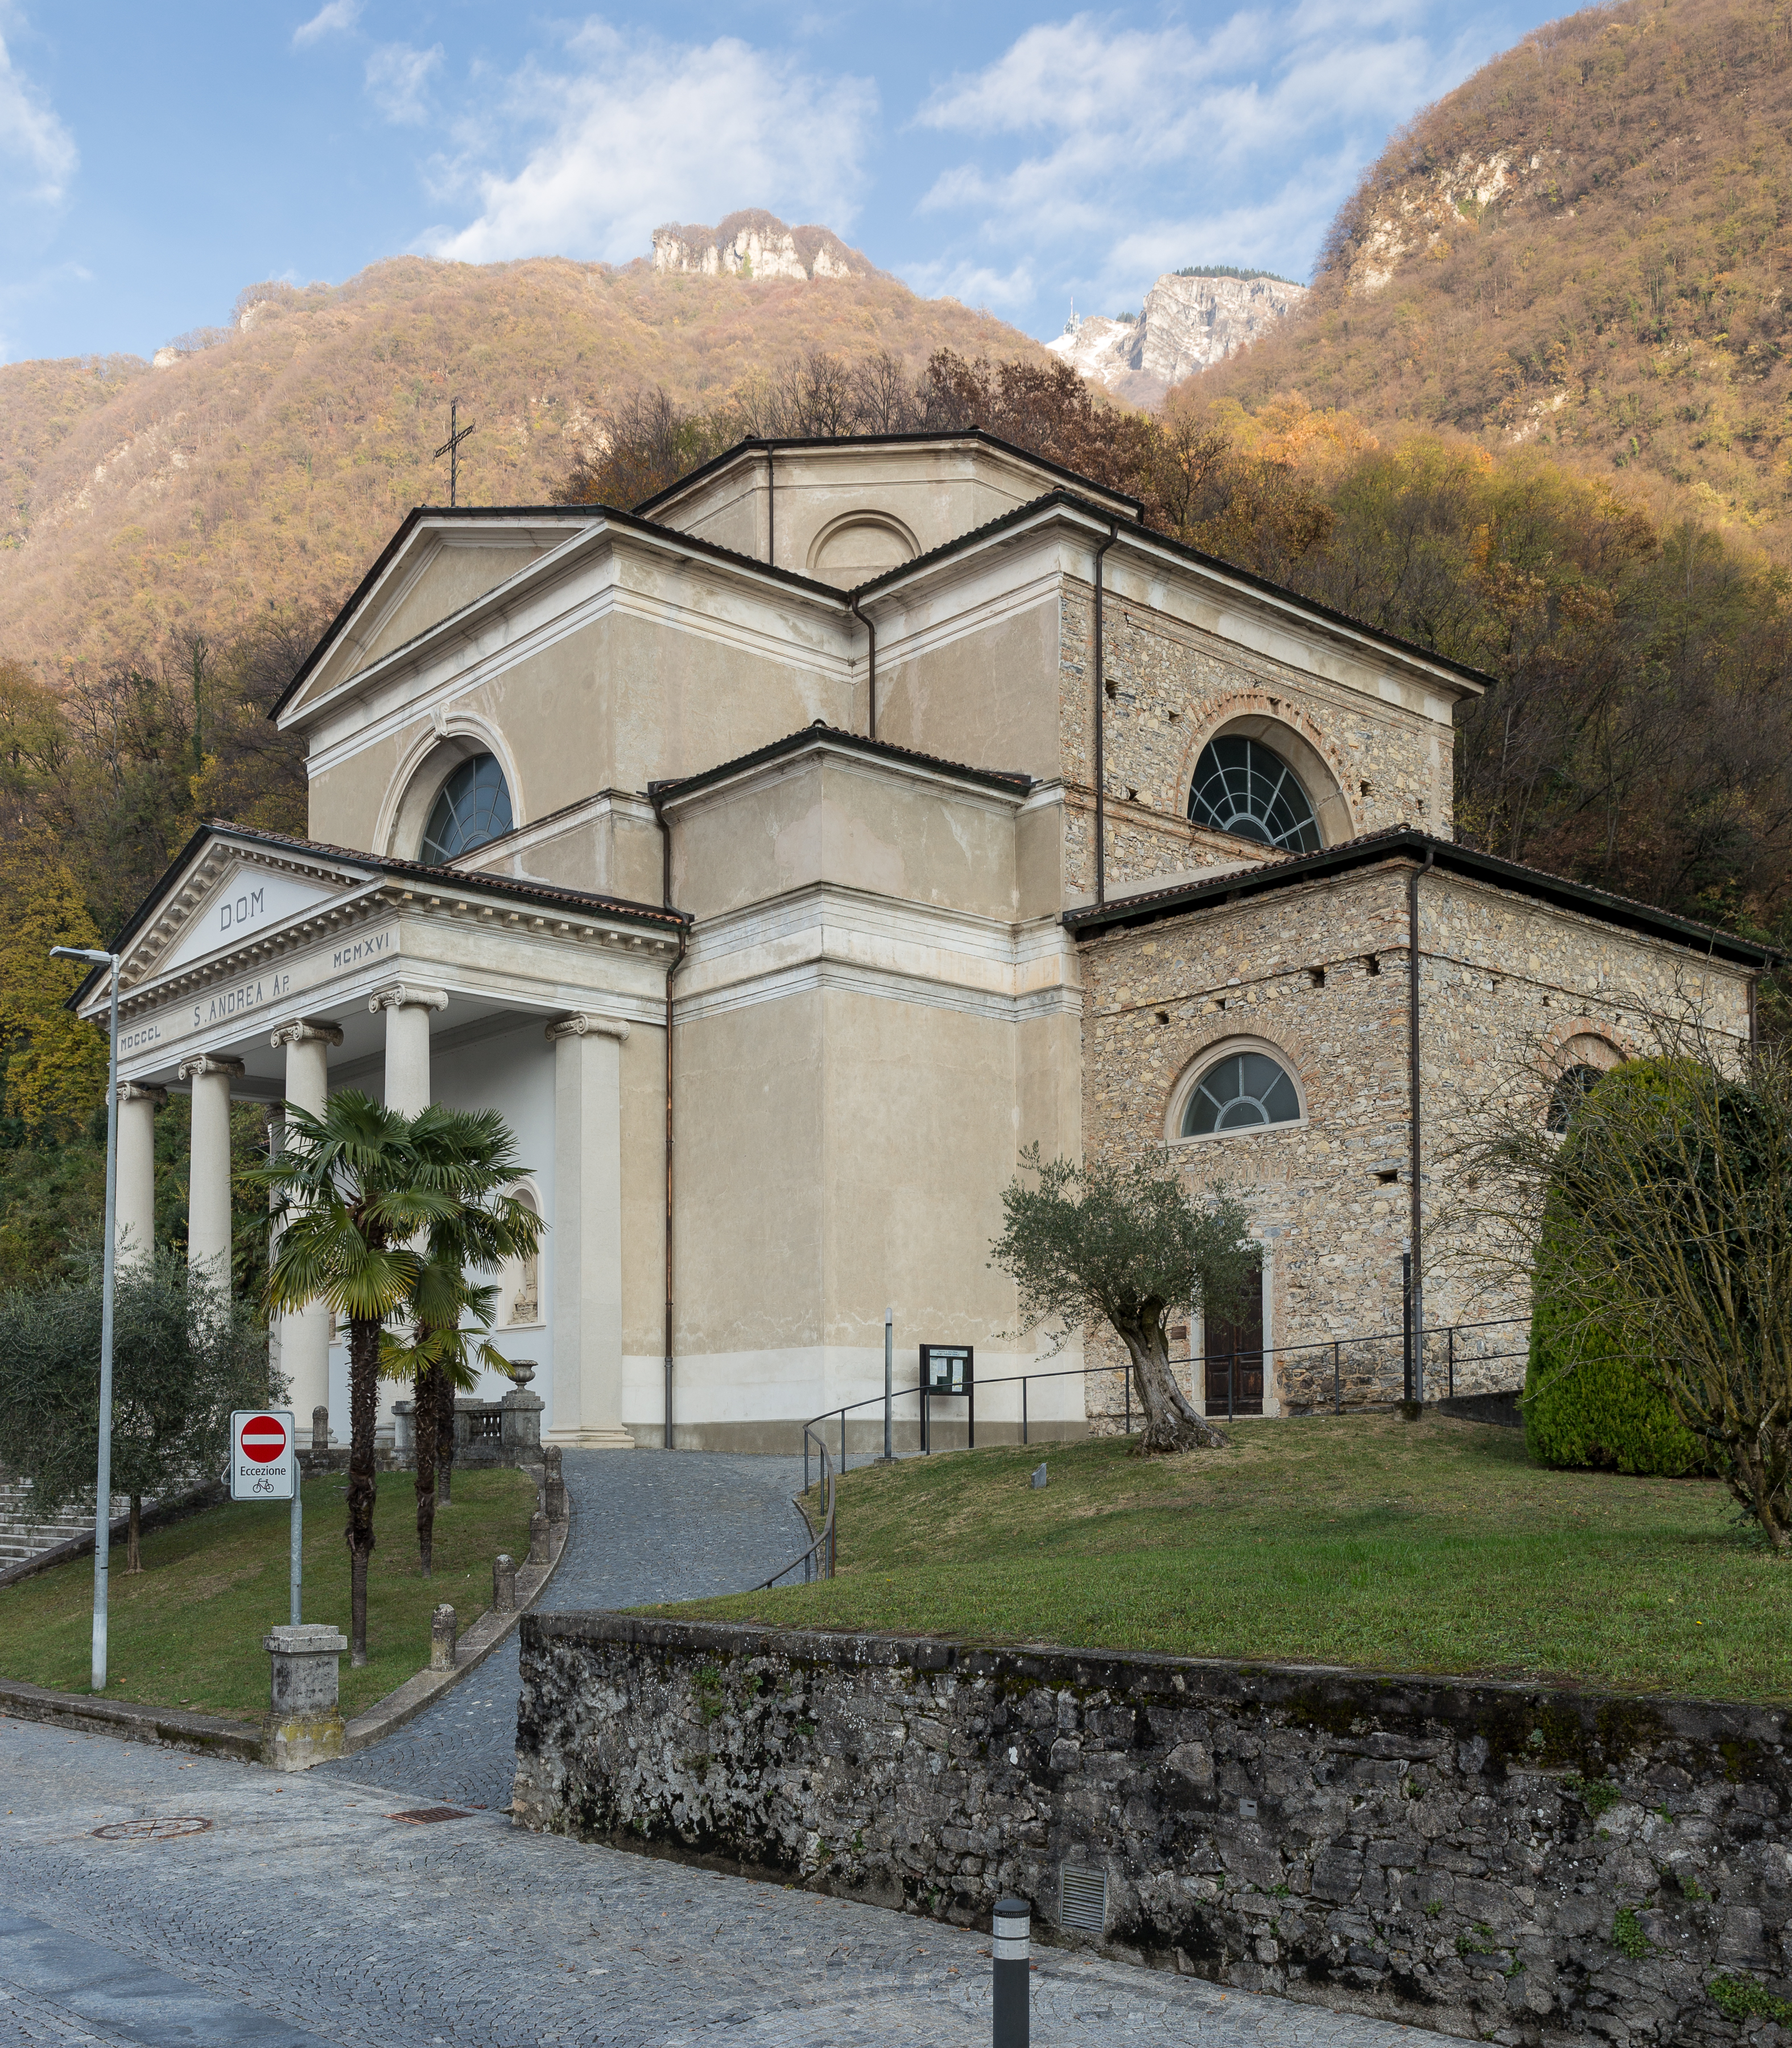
422,1816
164,1830
1082,1899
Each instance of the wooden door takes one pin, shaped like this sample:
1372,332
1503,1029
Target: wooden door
1237,1347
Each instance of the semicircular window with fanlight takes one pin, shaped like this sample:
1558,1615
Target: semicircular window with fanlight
473,809
1241,1091
1242,787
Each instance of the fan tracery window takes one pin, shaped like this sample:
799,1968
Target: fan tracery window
1241,1092
1242,788
473,809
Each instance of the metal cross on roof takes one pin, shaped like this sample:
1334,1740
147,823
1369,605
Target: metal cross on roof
451,448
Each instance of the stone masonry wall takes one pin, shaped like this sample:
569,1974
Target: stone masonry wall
1502,1863
1171,687
1318,973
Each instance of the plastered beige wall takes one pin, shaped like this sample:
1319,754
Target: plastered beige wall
453,576
862,825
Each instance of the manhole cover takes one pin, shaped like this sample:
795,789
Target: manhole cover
421,1817
163,1830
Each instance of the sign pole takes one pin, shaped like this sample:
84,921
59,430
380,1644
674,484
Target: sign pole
103,1481
889,1374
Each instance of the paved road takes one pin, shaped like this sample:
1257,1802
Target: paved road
304,1913
295,1912
646,1525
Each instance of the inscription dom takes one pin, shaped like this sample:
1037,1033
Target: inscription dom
245,909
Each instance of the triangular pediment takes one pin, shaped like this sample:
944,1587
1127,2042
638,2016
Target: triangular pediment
229,897
437,564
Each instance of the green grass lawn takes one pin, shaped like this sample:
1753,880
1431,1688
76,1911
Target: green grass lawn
1427,1546
187,1631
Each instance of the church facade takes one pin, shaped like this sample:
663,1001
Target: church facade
782,857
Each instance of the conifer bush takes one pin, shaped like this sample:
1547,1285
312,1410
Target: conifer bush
1588,1400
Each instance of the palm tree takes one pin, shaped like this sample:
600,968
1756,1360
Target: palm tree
363,1198
442,1357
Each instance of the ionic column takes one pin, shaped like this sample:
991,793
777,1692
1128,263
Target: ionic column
586,1247
303,1338
138,1105
208,1180
407,1009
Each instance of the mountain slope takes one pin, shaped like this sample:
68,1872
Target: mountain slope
266,469
1586,245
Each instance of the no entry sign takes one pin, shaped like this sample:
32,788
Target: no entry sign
264,1455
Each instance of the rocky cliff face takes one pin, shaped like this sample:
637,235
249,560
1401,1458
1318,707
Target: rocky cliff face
1185,324
756,244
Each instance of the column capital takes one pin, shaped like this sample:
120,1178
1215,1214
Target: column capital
210,1063
142,1092
583,1023
406,996
306,1030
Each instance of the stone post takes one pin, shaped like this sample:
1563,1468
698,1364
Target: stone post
504,1584
305,1724
403,1429
209,1185
137,1170
321,1427
538,1538
441,1638
519,1417
554,1485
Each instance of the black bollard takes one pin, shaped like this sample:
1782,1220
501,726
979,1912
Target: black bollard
1011,1946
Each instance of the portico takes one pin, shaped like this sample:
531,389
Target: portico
271,971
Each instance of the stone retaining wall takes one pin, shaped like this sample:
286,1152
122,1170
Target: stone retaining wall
1507,1863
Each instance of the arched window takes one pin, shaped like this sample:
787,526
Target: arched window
1243,1091
473,809
1242,787
1567,1095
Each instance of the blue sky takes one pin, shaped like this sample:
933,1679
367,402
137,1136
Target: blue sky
154,160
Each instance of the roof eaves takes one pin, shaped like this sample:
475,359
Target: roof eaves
611,515
1149,536
1395,842
622,908
762,443
1010,782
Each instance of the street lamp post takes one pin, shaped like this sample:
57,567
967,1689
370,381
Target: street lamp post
102,1497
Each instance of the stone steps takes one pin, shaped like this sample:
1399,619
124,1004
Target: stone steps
26,1534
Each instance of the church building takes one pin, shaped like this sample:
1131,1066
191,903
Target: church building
784,856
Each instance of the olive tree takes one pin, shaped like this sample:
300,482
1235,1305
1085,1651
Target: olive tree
1124,1244
184,1356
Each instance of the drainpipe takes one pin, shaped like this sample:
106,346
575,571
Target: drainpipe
771,509
871,667
1754,1027
656,796
1417,1224
1100,733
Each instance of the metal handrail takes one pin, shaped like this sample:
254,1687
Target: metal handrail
824,1541
1447,1332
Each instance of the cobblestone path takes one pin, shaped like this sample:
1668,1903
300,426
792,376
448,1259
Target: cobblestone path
646,1525
306,1914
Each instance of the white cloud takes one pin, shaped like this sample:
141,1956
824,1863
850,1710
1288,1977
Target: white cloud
1109,154
38,154
337,17
639,132
397,75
